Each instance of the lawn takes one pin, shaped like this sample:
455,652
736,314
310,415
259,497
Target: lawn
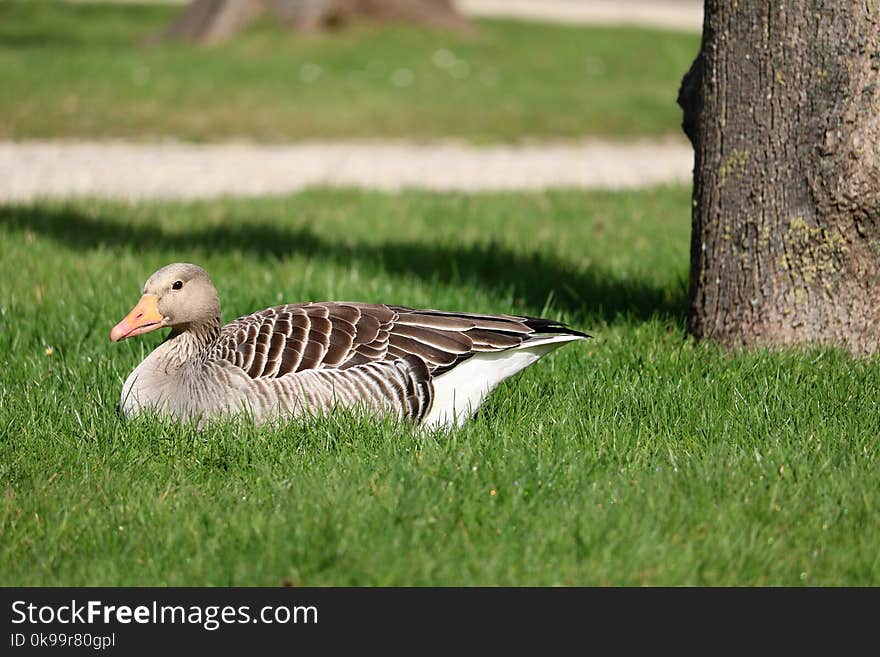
82,71
636,458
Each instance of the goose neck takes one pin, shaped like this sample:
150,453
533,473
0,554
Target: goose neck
187,343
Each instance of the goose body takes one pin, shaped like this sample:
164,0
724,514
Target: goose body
430,367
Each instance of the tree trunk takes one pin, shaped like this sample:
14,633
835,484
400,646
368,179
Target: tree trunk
782,105
212,21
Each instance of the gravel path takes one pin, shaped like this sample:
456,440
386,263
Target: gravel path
56,169
669,14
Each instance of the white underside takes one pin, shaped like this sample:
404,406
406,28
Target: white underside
459,392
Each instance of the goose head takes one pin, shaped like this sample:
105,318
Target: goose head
180,295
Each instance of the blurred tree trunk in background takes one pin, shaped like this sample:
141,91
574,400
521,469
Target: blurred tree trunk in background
212,21
782,105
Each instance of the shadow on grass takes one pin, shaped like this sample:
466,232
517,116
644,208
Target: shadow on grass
532,278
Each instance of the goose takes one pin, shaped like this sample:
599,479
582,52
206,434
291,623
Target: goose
430,367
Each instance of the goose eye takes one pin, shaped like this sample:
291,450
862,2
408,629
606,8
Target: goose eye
176,285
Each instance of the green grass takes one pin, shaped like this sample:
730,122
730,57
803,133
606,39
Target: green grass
636,458
82,71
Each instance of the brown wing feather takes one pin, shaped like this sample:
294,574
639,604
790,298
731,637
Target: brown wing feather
297,337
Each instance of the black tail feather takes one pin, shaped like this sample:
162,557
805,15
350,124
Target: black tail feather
541,325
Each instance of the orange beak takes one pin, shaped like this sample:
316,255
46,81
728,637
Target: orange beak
143,318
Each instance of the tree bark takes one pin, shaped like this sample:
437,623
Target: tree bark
213,21
782,105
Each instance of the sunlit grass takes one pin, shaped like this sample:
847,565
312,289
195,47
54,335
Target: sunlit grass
72,70
636,458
